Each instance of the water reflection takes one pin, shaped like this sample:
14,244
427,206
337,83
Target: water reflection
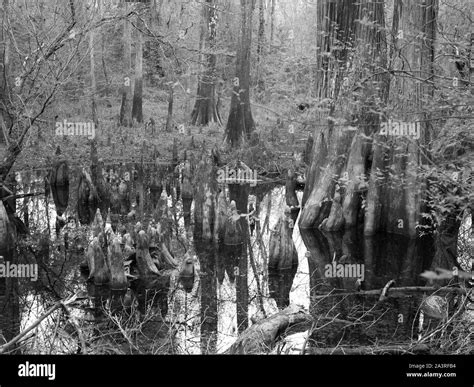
384,258
243,274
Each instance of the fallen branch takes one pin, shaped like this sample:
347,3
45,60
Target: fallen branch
21,335
395,292
390,349
262,336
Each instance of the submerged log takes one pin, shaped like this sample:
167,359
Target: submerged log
117,272
390,349
395,292
262,336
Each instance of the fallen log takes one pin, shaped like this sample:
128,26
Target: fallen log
262,336
23,334
388,350
394,292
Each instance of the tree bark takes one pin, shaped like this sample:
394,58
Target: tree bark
240,122
206,108
169,117
5,119
390,349
115,262
262,336
137,108
261,46
272,22
395,194
336,26
126,107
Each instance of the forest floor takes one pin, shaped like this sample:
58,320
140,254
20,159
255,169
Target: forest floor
278,149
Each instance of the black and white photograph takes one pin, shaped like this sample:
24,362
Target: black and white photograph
198,180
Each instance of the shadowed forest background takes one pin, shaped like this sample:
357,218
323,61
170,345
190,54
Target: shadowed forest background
185,174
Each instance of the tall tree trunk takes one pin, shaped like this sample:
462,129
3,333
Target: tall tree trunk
93,81
5,118
240,122
137,108
126,107
169,117
336,25
395,196
261,46
206,109
368,102
392,193
155,14
272,22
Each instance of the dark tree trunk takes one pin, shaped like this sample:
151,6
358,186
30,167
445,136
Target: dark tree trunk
169,117
5,119
272,21
137,108
207,257
126,107
59,182
206,107
239,193
341,156
261,46
240,122
395,194
335,24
